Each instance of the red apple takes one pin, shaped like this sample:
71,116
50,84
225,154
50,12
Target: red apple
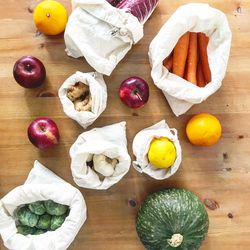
43,133
134,92
29,72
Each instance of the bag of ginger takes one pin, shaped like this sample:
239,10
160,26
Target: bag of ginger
83,97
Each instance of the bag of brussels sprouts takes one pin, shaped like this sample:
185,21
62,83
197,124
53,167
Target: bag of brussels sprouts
44,213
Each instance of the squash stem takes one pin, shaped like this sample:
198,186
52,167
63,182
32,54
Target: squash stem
176,240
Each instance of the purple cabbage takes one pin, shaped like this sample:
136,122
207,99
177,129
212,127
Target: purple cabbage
114,2
142,9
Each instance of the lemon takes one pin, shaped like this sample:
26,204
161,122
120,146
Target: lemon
162,152
50,17
203,130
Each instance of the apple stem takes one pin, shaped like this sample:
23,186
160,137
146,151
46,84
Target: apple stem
48,15
137,94
28,67
42,128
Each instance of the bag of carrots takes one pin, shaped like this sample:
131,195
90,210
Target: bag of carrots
189,55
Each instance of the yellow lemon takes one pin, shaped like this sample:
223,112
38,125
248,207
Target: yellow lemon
203,130
162,152
50,17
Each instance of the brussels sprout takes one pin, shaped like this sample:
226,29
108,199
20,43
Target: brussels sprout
57,221
37,207
44,221
25,230
54,208
26,217
39,231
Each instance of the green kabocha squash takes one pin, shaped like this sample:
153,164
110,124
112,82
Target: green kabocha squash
172,219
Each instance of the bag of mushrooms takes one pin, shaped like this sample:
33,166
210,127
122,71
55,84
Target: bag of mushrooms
99,157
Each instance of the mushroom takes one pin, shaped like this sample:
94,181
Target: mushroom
104,165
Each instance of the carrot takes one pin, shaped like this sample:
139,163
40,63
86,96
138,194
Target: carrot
168,62
200,77
192,59
203,42
180,55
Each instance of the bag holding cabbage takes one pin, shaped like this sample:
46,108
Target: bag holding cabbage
99,157
44,213
102,33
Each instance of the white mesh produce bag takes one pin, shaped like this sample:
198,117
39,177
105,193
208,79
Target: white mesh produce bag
141,144
181,94
42,184
98,91
101,33
110,141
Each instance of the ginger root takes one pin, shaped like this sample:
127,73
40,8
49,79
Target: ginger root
84,105
76,91
79,94
104,165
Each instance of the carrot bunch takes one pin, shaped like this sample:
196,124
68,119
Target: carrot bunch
189,59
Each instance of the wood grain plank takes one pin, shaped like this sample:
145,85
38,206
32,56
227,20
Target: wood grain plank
220,173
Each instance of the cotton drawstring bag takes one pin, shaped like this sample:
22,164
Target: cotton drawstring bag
98,92
141,144
42,184
181,94
104,34
110,141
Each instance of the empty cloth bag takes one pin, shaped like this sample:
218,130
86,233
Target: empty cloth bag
42,184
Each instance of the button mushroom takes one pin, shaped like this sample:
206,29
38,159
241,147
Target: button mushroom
104,165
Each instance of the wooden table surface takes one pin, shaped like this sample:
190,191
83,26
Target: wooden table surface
220,173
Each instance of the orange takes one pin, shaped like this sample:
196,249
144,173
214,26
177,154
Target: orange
203,130
50,17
